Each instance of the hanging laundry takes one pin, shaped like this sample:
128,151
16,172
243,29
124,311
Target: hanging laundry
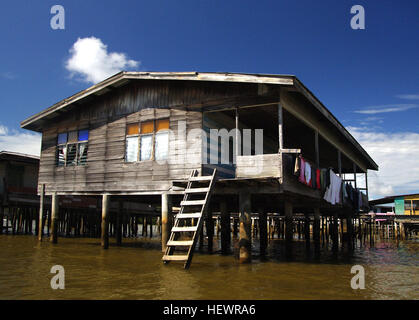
307,170
302,171
332,194
297,166
318,184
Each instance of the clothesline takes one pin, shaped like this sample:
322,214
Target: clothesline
336,191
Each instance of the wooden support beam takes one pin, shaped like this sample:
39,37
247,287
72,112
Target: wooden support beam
289,222
1,218
209,224
105,221
245,240
225,228
316,230
263,234
166,211
307,230
280,128
354,165
340,163
238,140
54,217
316,148
118,233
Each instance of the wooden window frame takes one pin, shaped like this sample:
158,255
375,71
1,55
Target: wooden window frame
77,143
139,135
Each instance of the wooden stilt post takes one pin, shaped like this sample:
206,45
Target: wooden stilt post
105,221
245,240
349,232
54,218
166,208
289,222
307,231
335,233
209,226
316,230
119,214
1,218
225,228
263,234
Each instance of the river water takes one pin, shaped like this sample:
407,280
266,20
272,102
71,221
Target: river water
135,271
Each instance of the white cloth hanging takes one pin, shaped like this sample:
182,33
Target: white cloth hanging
332,194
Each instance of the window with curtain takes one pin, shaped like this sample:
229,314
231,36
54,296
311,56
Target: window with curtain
72,148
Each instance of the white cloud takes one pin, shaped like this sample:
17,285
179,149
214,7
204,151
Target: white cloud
90,60
408,96
397,157
387,108
18,141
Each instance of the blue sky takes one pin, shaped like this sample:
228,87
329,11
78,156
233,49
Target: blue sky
367,78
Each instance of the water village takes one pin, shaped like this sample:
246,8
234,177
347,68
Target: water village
196,157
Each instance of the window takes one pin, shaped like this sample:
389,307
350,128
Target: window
148,140
72,148
132,143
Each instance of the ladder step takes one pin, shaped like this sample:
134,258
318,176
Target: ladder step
201,178
189,215
192,203
175,258
197,190
173,243
184,229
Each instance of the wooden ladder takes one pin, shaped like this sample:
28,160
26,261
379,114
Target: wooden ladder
188,222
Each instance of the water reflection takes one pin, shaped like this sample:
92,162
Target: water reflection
135,271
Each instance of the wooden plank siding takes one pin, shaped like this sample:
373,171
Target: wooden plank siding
106,117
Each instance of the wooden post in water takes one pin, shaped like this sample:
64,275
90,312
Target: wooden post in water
316,230
209,225
1,218
307,230
165,226
263,231
289,222
54,218
225,228
105,221
118,233
245,240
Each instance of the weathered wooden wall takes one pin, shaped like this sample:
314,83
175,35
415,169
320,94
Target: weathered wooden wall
106,117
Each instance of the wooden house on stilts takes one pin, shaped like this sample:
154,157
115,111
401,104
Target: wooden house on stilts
225,143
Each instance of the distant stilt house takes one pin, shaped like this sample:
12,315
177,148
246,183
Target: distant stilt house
407,204
156,137
18,186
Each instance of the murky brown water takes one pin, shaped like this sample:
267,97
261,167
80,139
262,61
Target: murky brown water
135,271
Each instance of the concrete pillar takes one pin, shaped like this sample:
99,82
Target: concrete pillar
225,228
54,218
263,234
245,218
105,221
